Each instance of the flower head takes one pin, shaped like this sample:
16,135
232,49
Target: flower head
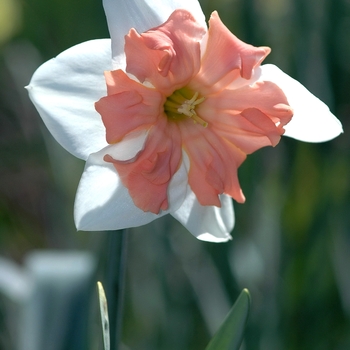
184,106
203,101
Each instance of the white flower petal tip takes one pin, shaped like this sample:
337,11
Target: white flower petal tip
200,220
312,120
64,90
207,237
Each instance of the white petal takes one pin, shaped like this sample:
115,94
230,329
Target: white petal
312,121
207,223
125,150
103,203
64,91
122,15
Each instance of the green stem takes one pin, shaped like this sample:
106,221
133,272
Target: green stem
115,283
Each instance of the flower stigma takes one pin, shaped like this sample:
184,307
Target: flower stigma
180,105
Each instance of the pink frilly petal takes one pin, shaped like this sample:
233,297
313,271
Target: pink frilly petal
129,106
147,178
167,56
250,117
141,15
226,58
213,164
249,131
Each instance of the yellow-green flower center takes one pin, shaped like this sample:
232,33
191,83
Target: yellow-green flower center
182,104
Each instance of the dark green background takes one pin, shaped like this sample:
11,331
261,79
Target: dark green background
291,242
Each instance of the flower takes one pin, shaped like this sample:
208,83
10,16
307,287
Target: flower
207,104
183,107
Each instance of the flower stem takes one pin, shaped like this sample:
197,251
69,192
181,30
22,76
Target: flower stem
116,270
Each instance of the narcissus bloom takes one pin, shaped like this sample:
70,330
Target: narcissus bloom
165,112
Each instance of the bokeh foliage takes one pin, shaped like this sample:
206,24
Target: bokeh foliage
291,242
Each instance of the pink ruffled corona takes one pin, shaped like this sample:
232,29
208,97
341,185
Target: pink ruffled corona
192,90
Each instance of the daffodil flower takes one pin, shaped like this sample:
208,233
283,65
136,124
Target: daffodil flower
165,112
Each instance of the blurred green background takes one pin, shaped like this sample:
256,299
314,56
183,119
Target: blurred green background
291,242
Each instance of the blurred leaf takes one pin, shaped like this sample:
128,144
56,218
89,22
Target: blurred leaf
10,19
104,315
230,334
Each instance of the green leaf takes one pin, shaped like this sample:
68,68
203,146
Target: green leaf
230,334
104,316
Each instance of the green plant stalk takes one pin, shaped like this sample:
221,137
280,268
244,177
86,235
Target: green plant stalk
115,283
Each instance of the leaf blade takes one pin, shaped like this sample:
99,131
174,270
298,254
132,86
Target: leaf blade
230,334
104,315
